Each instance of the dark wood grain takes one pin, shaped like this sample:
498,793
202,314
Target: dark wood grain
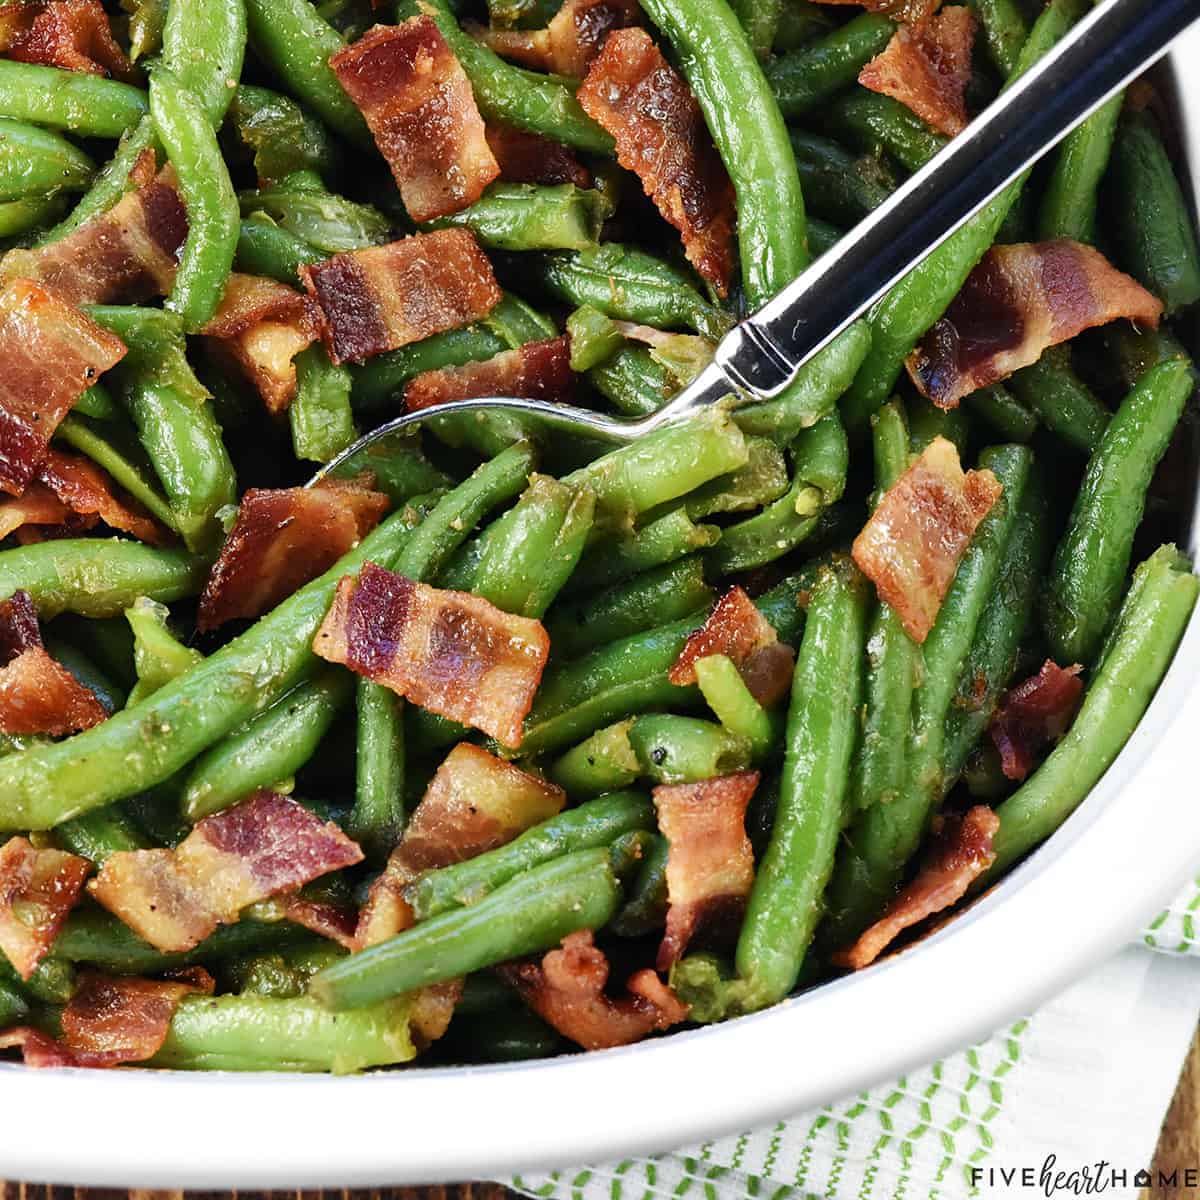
1179,1144
462,1191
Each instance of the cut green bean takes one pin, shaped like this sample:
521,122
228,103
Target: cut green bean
523,216
35,162
283,137
1007,416
1071,196
81,103
378,816
726,693
319,218
320,416
1062,401
674,749
604,762
203,45
99,834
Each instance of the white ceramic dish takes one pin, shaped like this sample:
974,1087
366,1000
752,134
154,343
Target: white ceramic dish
1074,901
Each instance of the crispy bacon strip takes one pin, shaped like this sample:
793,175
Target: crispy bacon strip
526,157
570,43
261,326
911,545
738,630
474,803
52,354
1033,714
566,989
961,851
38,888
328,920
421,111
634,93
385,297
263,846
37,505
71,34
88,491
1020,300
911,12
450,652
37,694
538,370
126,255
710,865
927,69
284,537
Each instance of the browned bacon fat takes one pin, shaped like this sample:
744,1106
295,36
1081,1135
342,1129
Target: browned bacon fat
911,545
84,489
538,370
566,989
927,69
52,354
36,510
961,851
529,158
660,133
450,652
37,694
73,35
570,42
738,630
261,847
37,890
1034,714
710,865
911,12
284,537
419,105
1020,300
384,297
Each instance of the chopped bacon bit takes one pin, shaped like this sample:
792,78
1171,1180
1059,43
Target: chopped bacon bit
911,545
529,158
567,991
265,845
262,325
1033,714
572,40
125,255
385,297
328,920
37,694
88,491
283,538
37,890
1020,300
36,505
421,110
960,852
710,865
449,652
474,803
73,35
927,69
634,93
52,354
432,1009
911,12
738,630
38,1049
537,370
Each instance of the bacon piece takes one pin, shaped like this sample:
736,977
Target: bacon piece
1020,300
911,12
567,991
37,694
474,803
526,157
38,1049
125,255
960,852
538,370
88,491
927,69
261,326
449,652
634,93
1033,714
572,40
71,34
710,865
282,539
36,505
265,845
738,630
431,1011
38,888
52,354
385,297
911,545
421,110
328,920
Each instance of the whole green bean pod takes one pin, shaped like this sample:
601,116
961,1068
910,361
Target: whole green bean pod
525,216
203,45
1062,401
378,816
604,762
675,749
837,184
1071,195
800,22
36,162
81,103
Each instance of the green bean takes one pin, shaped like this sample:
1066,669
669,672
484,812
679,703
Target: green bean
524,216
811,74
98,578
99,834
594,337
207,257
877,124
111,695
294,41
1004,30
398,467
1061,400
674,749
146,21
283,137
483,993
1132,351
822,724
532,912
35,162
20,216
88,105
321,420
1145,634
52,982
320,218
501,1037
97,403
762,479
927,421
1069,200
265,248
760,19
203,45
109,642
604,762
13,1006
645,910
156,346
270,747
838,185
158,655
1091,562
521,14
726,693
634,382
1000,409
378,817
800,22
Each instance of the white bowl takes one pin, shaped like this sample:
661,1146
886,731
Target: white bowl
1077,899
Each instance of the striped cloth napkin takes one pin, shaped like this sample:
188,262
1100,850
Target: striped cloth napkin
1067,1101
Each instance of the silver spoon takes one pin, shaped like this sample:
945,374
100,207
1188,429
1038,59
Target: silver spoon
757,360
